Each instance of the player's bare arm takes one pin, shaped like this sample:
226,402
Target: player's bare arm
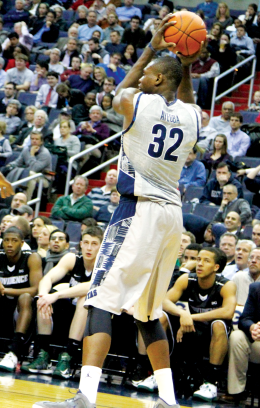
76,291
65,265
228,293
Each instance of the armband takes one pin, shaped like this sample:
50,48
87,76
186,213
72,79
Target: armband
151,47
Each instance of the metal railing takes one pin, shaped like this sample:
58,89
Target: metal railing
69,182
36,200
251,77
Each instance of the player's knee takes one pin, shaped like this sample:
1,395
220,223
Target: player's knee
24,301
151,331
98,321
218,330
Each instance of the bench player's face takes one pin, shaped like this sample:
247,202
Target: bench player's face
12,244
89,247
206,265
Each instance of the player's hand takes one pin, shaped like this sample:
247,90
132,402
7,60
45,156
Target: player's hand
188,60
47,300
255,331
2,289
189,265
6,189
186,323
158,42
179,335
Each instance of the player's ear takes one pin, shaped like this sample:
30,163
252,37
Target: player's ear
159,79
216,268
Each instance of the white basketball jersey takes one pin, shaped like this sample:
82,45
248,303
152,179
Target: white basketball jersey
155,147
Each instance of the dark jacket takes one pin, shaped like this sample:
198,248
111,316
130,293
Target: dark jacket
80,113
212,192
13,16
73,54
47,135
137,37
76,97
253,185
251,312
52,35
36,24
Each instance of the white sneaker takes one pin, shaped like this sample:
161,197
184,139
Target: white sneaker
207,392
149,384
9,362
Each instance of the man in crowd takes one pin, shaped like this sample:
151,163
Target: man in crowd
96,54
134,34
9,49
20,75
209,8
17,13
49,32
10,93
70,52
126,12
242,252
221,123
80,112
47,95
230,203
193,173
40,124
108,88
112,20
114,44
238,141
207,133
213,191
86,30
19,276
24,211
74,70
227,244
55,64
77,271
11,117
18,200
256,233
242,43
232,223
83,82
207,323
113,69
76,206
39,76
101,195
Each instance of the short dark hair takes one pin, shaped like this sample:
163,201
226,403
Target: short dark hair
136,18
116,53
91,222
45,220
229,234
220,257
236,115
221,165
36,132
53,12
53,73
14,230
94,232
63,232
254,6
191,235
43,64
11,83
171,68
95,40
13,34
193,247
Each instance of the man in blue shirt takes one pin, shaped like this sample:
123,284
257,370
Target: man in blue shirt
242,44
86,30
238,141
193,173
112,69
209,8
128,11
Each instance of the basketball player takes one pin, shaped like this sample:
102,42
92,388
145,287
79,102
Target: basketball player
20,273
141,243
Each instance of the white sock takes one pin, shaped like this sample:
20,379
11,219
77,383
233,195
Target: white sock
89,380
165,385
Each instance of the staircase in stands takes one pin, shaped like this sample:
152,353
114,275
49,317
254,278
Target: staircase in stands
239,97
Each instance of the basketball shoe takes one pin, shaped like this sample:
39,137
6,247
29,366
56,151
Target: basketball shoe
9,362
79,401
63,368
162,404
41,365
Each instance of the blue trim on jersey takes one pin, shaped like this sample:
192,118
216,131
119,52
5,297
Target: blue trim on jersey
198,132
166,102
126,209
125,183
134,116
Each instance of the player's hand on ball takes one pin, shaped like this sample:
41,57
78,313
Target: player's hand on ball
189,59
158,42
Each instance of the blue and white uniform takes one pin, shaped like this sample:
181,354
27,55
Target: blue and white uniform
141,243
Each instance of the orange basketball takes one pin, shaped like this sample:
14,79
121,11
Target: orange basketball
187,33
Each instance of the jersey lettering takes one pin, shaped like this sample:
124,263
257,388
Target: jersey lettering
156,148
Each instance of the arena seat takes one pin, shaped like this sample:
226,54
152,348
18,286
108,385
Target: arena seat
249,161
187,208
27,98
206,211
248,196
73,229
58,223
193,192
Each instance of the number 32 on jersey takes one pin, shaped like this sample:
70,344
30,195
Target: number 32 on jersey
155,148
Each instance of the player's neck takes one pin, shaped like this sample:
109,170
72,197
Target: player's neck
207,282
13,259
89,265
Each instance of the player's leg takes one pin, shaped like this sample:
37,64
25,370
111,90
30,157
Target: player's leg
8,306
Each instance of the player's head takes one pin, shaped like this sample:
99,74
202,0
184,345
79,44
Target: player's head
210,261
13,241
59,241
91,240
161,73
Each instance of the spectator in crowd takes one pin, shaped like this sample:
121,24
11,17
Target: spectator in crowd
243,279
113,69
209,8
188,262
151,23
115,45
10,44
98,6
112,19
10,93
256,233
112,119
93,130
223,15
37,225
233,223
134,34
5,223
227,244
83,82
44,240
74,70
244,343
221,123
63,41
230,203
108,88
60,21
193,172
207,133
95,53
224,54
65,114
47,95
11,117
204,70
219,154
39,76
5,148
67,140
16,13
24,226
99,75
243,44
17,294
24,211
101,195
68,97
255,106
70,52
37,22
86,223
106,211
77,271
20,75
129,57
154,8
55,64
250,17
35,159
82,13
238,141
126,12
252,183
215,311
76,206
187,238
242,253
213,191
49,31
80,112
18,200
39,124
86,30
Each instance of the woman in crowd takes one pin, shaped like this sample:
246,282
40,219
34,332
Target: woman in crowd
215,34
82,14
99,75
129,57
5,147
60,21
113,120
219,154
54,127
37,22
37,225
44,239
67,140
223,16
